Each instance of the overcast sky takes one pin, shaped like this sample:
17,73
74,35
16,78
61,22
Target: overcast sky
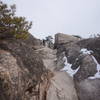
80,17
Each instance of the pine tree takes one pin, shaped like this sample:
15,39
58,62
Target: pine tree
12,26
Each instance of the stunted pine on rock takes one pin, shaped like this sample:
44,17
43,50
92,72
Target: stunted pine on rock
12,26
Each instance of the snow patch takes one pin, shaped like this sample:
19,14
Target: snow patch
97,75
68,68
85,51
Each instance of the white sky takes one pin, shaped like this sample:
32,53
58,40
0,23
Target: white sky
66,16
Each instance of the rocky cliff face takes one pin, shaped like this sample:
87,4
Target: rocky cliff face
61,38
30,71
92,44
81,60
22,72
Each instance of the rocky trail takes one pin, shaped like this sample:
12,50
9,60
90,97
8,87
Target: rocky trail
61,84
31,71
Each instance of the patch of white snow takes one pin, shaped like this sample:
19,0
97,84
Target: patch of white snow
85,51
97,75
68,68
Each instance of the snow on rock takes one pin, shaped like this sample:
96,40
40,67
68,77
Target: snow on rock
68,68
97,75
85,51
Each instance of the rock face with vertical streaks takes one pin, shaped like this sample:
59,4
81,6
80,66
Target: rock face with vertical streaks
21,71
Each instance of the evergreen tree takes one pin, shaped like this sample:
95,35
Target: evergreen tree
12,26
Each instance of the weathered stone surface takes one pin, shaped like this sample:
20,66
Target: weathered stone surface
61,88
31,41
9,73
88,89
87,67
64,38
68,44
72,51
21,71
15,83
91,44
49,57
60,61
23,75
22,52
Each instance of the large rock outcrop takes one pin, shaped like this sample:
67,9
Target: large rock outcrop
87,88
61,87
91,44
22,72
87,67
31,41
72,51
29,71
61,38
68,44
